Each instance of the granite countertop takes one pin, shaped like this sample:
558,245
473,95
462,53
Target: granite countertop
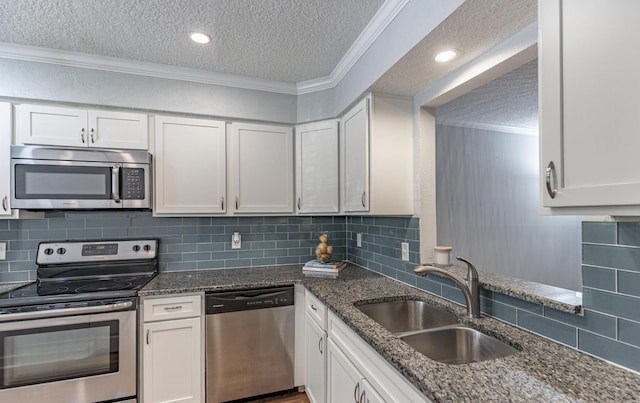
542,371
557,298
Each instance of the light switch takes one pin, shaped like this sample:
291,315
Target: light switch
3,250
358,240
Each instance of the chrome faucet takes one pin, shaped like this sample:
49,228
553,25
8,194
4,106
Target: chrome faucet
471,289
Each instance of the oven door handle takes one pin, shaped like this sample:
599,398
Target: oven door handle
118,306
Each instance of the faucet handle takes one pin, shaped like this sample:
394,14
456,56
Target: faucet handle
472,272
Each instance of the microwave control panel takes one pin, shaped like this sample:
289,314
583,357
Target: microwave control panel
133,183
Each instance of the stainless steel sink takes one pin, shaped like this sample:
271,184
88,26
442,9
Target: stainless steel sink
407,316
458,345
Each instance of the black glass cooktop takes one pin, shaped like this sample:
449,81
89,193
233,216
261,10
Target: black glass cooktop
46,292
72,271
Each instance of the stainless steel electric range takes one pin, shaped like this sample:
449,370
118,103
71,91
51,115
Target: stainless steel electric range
71,335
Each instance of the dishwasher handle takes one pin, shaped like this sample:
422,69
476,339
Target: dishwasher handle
244,300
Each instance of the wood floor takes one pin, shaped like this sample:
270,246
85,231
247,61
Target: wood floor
296,397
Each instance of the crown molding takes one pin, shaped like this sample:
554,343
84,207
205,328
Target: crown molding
113,64
374,28
385,15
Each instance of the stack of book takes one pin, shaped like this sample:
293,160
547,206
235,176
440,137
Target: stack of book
315,268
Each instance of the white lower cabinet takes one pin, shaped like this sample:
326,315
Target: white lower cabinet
172,349
357,373
345,383
315,349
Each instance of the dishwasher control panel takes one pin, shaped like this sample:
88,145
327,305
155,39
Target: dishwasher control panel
244,300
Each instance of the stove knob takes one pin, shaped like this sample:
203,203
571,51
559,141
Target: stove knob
61,251
136,248
147,248
48,251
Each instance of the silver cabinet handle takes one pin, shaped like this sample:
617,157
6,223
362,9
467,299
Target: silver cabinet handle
222,203
363,397
82,135
236,202
115,183
356,392
173,308
298,203
5,203
551,171
362,199
148,333
320,345
313,307
91,134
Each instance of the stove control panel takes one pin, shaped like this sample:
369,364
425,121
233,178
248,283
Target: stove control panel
78,251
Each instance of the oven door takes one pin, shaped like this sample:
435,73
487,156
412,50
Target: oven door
78,358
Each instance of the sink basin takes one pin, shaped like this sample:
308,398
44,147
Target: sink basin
458,345
407,316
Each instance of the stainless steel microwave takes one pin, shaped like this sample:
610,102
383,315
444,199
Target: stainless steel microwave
62,179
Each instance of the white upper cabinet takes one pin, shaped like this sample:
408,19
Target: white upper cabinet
317,177
5,158
76,127
376,151
354,149
261,162
190,166
589,105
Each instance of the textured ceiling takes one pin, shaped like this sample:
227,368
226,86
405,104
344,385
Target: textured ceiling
282,40
510,101
472,29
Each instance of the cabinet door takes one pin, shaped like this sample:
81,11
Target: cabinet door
172,361
51,125
5,158
315,352
119,130
190,166
354,149
369,394
262,164
317,167
588,103
343,379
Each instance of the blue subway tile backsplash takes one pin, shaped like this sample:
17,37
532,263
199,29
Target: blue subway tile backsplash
598,277
555,330
609,327
599,232
186,243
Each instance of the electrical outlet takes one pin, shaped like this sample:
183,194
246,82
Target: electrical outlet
405,251
359,240
3,250
236,240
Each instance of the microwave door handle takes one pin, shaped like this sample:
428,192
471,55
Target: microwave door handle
115,183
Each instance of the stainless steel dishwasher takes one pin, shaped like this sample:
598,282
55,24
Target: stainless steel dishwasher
250,338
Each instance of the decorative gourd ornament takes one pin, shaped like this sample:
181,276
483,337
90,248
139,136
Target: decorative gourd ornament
324,250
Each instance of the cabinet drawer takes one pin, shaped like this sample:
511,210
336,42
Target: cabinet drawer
175,307
316,310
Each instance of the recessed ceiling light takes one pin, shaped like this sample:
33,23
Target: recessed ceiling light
200,37
446,56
